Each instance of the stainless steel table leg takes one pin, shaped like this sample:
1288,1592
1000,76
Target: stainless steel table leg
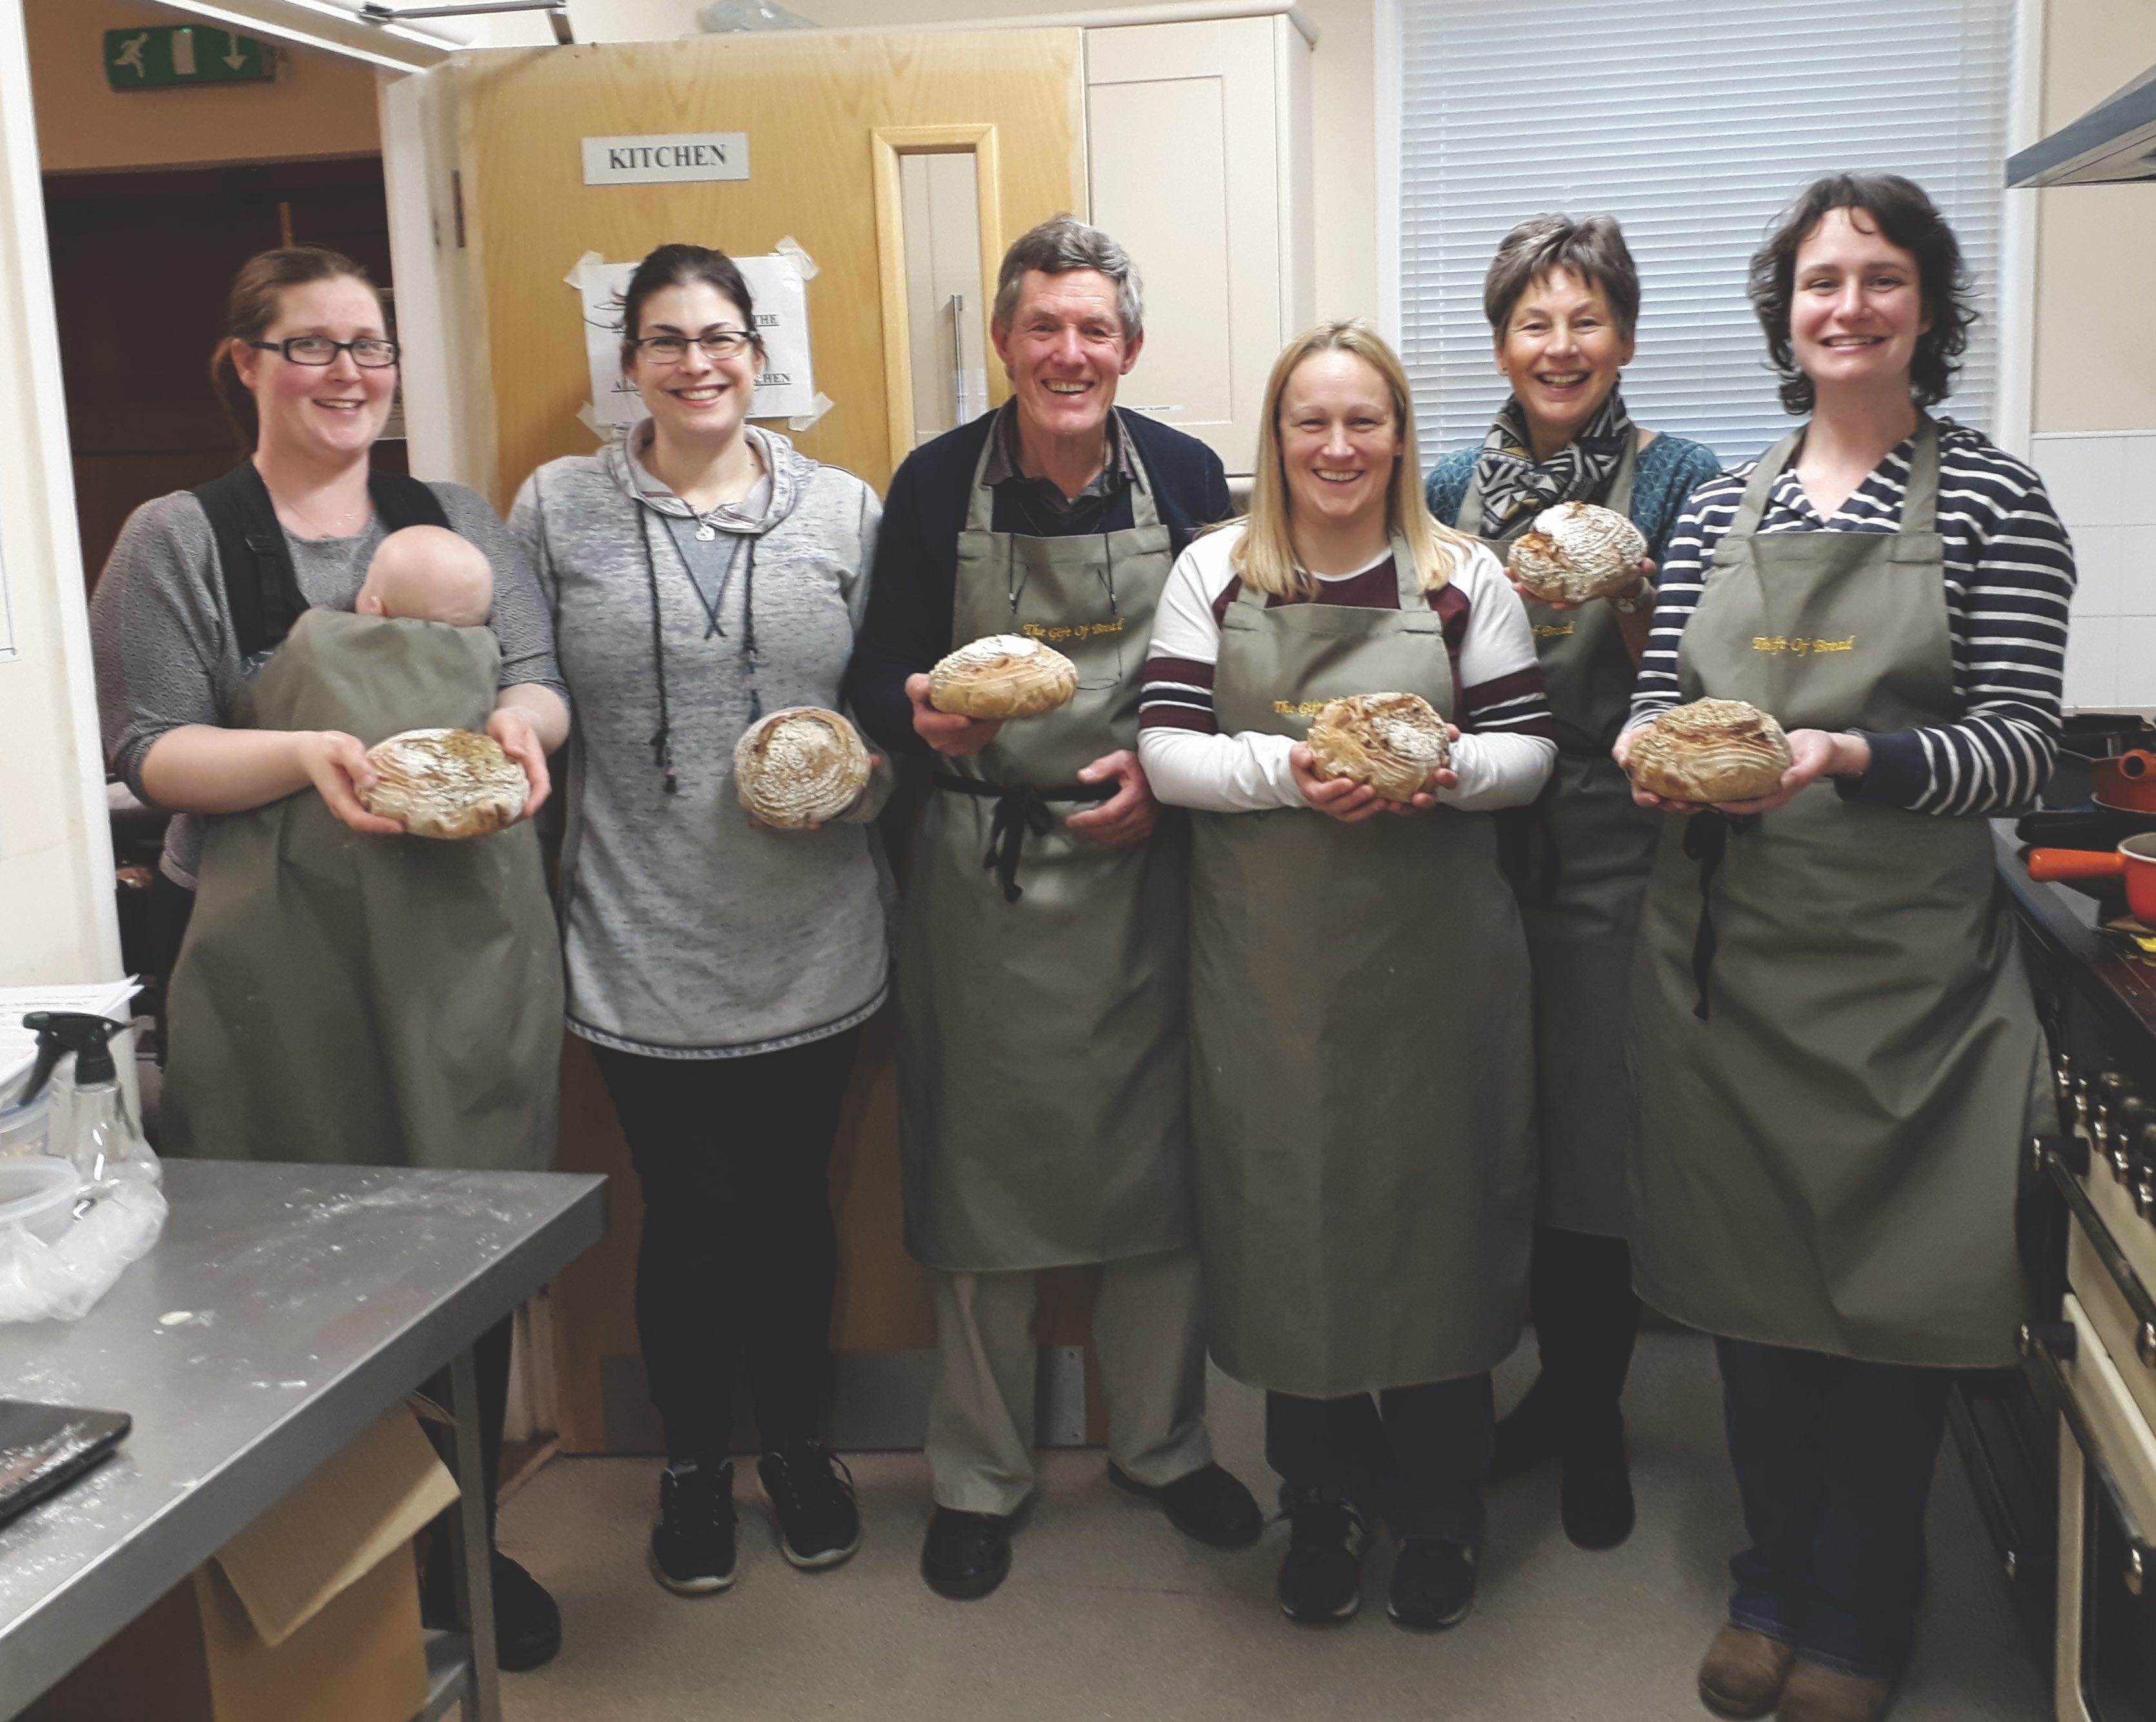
470,1553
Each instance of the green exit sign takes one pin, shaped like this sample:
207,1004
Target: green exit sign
158,57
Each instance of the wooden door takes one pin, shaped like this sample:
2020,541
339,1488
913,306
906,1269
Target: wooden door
824,116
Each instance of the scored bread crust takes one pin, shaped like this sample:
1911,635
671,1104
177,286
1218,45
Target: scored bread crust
799,766
1710,750
445,783
1002,675
1576,551
1390,741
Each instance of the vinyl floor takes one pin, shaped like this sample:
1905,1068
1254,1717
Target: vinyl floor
1110,1617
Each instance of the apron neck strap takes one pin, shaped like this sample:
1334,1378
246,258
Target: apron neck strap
1920,504
981,501
1413,596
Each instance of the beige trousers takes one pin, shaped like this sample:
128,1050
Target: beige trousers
1148,1338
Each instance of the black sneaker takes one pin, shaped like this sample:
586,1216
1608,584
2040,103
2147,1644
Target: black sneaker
692,1545
1527,1437
965,1555
1320,1576
812,1492
1595,1502
1433,1584
1208,1504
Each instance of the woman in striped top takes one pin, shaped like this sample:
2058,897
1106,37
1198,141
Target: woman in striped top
1837,1054
1362,1082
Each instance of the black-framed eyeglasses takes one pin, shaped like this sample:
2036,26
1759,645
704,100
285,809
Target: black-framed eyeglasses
370,352
672,349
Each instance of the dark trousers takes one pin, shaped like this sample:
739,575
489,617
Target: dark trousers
1834,1462
1586,1316
1412,1457
739,1254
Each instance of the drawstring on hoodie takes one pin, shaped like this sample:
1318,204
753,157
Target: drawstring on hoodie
662,755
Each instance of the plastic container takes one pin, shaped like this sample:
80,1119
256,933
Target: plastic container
38,1193
26,1130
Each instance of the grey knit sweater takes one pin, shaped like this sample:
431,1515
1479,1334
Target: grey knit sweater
690,933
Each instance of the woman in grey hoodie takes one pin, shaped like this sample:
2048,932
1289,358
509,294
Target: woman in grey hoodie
702,573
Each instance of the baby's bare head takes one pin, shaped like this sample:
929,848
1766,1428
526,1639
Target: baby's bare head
428,574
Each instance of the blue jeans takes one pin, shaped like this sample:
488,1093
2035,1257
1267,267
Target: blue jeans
1833,1461
1412,1457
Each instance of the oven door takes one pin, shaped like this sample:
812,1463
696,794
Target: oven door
2105,1669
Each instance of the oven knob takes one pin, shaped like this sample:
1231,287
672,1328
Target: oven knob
2013,1563
2136,1571
2145,1344
2062,1074
2145,1198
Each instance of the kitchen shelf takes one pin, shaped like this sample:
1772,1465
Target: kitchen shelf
448,1674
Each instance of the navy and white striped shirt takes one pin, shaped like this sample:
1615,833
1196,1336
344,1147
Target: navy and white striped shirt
2010,581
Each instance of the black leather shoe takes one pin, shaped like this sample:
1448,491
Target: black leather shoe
1527,1437
1320,1576
966,1554
1208,1504
1596,1500
527,1624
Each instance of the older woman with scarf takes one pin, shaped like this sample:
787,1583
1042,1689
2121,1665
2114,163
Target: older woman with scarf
1562,298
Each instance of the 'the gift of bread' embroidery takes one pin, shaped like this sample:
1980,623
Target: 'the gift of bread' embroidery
1551,630
1291,708
1073,631
1798,646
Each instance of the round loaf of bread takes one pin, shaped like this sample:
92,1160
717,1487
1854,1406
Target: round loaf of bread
447,783
1390,741
799,766
1710,750
1576,551
1002,675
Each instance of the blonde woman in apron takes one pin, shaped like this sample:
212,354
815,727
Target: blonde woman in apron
1360,1013
1837,1054
1563,298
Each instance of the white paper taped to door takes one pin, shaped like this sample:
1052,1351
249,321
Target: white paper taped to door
788,384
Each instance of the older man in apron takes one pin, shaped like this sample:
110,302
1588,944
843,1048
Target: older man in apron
1044,1108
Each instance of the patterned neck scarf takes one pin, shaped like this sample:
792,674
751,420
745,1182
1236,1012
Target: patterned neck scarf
1516,486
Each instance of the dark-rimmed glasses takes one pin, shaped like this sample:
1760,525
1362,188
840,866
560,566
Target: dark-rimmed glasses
370,352
672,349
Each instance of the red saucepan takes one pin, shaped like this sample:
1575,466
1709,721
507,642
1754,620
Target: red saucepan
2126,782
2135,857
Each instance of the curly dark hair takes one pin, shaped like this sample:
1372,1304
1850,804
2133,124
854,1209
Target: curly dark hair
1900,210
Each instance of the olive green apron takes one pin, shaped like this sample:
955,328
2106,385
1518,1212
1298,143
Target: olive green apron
1043,1117
1588,849
350,999
1359,1019
1827,1157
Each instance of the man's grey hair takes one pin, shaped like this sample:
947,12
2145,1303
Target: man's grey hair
1059,245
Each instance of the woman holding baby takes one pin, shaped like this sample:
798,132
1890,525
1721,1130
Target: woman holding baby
345,992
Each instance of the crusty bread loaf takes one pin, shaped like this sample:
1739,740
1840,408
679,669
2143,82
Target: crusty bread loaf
799,766
447,783
1002,675
1710,750
1390,741
1577,551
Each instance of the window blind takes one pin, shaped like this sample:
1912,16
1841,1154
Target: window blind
1693,124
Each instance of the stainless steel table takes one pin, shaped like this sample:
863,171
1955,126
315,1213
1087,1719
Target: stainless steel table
313,1298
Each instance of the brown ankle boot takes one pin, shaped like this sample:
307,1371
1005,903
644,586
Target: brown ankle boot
1818,1694
1743,1673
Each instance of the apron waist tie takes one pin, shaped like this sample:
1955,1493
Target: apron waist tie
1705,841
1019,809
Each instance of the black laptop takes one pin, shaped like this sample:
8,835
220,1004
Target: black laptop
44,1447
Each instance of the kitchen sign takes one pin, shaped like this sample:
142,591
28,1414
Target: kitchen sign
670,155
163,56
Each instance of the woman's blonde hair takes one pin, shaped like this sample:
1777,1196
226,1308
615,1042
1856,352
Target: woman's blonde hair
1266,557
